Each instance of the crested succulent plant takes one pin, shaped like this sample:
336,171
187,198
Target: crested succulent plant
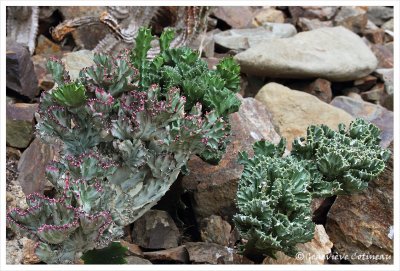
274,192
128,127
273,202
346,159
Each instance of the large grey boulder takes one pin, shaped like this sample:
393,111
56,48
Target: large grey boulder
333,53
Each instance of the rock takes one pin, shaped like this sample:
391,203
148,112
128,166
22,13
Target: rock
136,260
20,122
14,250
386,75
321,89
281,30
375,95
20,73
384,54
76,61
310,24
214,229
361,225
29,252
205,42
293,111
313,12
214,187
376,114
208,253
86,36
155,230
355,95
353,18
365,83
268,15
239,39
32,166
379,15
236,17
376,36
44,77
133,249
335,54
47,47
313,252
174,255
388,25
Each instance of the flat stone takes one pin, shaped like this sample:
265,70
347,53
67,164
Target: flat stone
388,25
376,36
136,260
236,17
20,73
214,229
268,15
376,114
29,252
306,24
45,79
313,12
353,18
335,54
386,75
305,110
379,15
240,39
313,252
32,166
20,122
214,187
375,95
76,61
155,230
384,54
208,253
47,47
361,225
172,255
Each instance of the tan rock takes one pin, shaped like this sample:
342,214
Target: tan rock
177,255
29,252
133,249
268,15
214,229
293,111
313,252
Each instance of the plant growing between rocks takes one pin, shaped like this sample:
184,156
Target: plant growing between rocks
128,126
275,192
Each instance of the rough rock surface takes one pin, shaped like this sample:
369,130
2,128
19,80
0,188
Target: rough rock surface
293,111
32,166
20,122
313,252
155,230
14,250
236,17
172,255
239,39
376,114
214,187
20,73
76,61
379,15
361,225
353,18
136,260
208,253
336,54
214,229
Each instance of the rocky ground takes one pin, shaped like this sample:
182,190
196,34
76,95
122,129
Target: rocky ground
300,66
